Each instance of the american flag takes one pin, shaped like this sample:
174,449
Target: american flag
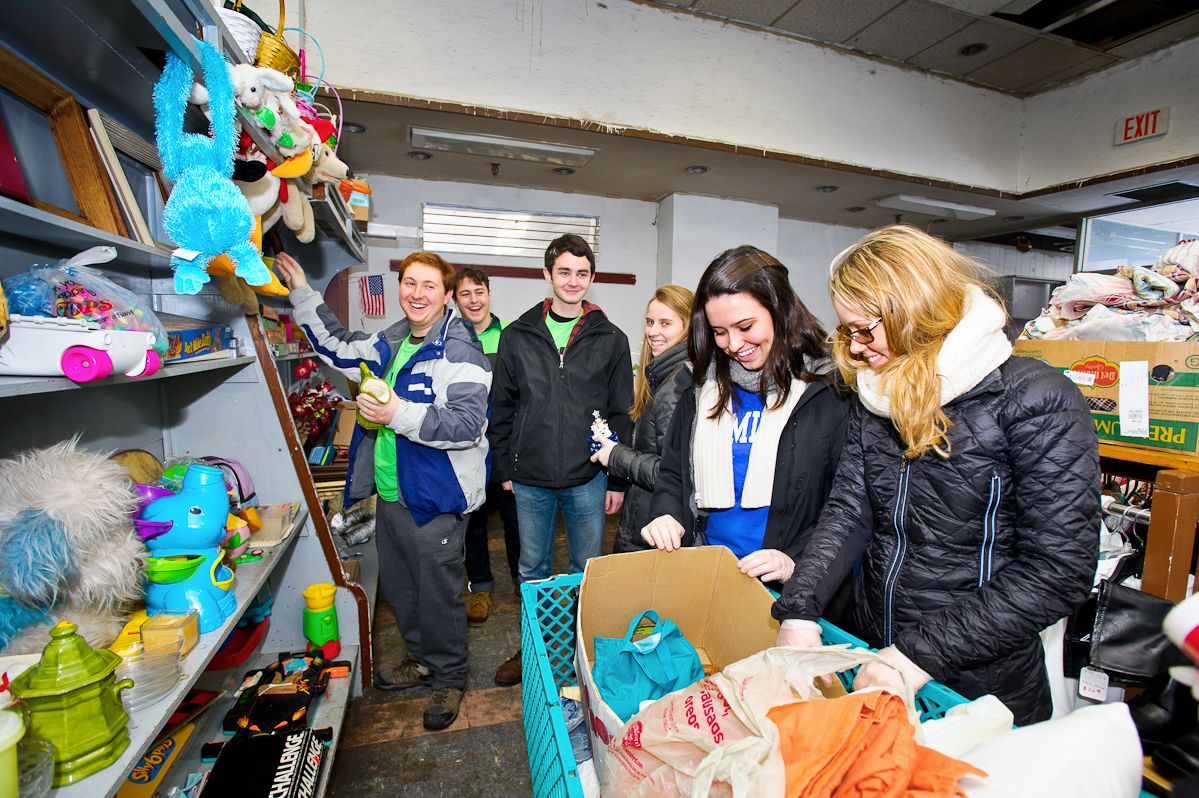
372,294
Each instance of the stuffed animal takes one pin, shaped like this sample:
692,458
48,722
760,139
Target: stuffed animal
264,92
68,551
206,215
328,168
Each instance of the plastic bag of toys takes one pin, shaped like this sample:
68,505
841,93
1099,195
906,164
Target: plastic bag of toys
71,290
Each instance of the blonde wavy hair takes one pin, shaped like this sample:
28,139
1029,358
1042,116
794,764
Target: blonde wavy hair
917,285
678,299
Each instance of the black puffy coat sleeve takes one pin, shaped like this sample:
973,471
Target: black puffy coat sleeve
1054,457
672,485
641,467
505,396
841,536
620,401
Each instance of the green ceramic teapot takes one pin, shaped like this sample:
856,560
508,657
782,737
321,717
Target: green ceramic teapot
70,699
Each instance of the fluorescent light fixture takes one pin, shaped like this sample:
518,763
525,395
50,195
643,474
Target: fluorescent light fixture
499,146
1056,232
933,207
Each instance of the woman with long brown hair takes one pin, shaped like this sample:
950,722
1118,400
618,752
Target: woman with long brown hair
663,375
751,453
968,488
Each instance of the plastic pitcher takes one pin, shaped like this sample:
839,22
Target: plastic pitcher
11,732
319,597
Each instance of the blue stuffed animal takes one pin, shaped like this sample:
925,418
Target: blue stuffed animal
206,214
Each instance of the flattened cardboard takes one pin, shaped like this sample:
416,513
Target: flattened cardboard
1173,386
721,611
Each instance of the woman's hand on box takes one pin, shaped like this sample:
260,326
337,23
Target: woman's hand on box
664,533
769,565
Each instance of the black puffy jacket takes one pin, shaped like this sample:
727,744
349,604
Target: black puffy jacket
668,375
966,559
542,399
803,471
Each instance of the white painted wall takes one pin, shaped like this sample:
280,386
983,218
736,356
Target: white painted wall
693,230
807,249
626,64
1008,260
628,243
1070,131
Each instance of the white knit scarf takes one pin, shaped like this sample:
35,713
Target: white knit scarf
712,451
972,350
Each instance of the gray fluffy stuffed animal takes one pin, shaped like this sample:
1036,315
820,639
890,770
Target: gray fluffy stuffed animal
68,551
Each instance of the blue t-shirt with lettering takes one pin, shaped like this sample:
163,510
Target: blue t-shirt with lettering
740,530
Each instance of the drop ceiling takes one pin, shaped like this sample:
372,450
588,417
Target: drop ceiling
1027,45
646,169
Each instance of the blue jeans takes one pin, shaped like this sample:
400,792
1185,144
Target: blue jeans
583,510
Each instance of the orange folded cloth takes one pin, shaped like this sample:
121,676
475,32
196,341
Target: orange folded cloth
861,746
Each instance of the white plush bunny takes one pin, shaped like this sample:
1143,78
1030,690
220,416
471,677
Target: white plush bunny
265,92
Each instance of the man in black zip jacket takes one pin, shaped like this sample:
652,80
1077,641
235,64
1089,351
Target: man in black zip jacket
557,364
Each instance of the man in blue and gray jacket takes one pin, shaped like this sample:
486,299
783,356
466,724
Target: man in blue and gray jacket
427,461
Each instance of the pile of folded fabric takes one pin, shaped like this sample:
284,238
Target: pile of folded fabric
1137,303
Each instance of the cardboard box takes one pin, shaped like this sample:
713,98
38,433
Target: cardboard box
1173,386
721,611
345,424
190,338
360,203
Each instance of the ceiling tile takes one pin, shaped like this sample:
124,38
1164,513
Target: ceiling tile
909,28
833,20
1039,60
1162,37
944,55
1090,65
984,8
759,12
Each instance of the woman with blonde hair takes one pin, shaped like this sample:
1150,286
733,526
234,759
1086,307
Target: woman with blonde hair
663,375
968,487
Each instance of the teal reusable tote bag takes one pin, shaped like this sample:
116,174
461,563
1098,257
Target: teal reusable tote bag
627,673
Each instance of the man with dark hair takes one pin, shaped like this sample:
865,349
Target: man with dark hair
559,363
472,292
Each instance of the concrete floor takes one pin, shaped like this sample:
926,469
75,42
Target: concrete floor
384,749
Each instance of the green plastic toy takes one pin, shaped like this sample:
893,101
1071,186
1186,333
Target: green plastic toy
320,620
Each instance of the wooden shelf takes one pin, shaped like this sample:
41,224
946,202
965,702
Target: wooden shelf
20,386
145,724
1156,458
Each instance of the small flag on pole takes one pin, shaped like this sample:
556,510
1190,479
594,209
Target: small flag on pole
372,294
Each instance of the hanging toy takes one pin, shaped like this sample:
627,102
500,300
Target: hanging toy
206,215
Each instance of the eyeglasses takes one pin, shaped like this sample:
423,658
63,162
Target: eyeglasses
864,336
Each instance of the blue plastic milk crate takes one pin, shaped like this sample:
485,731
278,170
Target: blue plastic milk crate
547,641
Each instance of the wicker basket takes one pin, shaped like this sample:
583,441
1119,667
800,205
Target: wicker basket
275,53
244,30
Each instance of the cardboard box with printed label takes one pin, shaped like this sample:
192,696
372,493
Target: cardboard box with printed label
360,202
721,611
1172,386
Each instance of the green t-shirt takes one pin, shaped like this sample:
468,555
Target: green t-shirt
490,338
560,330
385,442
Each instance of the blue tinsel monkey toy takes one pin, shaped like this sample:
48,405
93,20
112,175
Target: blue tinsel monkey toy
206,214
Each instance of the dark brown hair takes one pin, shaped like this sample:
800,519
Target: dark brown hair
434,260
472,273
574,244
799,339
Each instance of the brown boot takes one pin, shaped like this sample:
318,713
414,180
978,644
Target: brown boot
479,608
508,674
443,709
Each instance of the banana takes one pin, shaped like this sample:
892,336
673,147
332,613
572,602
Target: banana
377,389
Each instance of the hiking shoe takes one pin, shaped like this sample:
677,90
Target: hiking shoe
443,709
408,673
479,608
508,674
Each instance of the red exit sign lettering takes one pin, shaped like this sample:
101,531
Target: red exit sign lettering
1143,126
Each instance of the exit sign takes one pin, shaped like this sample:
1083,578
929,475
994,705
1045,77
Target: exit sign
1143,126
